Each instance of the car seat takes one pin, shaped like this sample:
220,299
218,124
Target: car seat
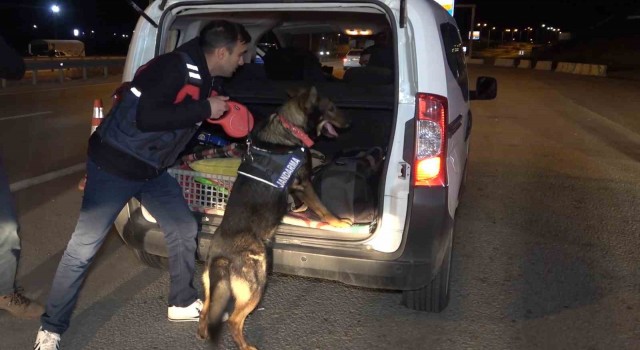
293,64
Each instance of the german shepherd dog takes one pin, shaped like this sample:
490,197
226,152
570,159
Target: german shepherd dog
235,273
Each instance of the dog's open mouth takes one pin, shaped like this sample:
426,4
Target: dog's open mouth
327,129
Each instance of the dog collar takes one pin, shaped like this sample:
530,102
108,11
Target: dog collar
296,131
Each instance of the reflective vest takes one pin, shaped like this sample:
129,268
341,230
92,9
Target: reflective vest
159,149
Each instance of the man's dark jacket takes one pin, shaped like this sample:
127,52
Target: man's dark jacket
159,83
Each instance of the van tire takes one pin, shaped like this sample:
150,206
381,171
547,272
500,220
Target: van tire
155,261
434,297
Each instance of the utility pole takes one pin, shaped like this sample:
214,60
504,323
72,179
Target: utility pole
473,18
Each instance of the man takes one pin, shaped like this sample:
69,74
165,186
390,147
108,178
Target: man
11,300
128,156
379,54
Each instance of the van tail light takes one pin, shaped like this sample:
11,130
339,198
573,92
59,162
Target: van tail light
431,141
344,60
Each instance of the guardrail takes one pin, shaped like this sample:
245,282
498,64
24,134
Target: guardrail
78,64
560,67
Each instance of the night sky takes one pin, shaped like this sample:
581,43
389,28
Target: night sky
568,15
104,17
107,17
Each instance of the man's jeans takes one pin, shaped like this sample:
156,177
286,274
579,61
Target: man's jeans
104,196
9,239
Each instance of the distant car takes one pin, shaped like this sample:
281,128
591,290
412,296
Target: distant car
352,59
53,53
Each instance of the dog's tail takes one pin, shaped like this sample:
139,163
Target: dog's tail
220,289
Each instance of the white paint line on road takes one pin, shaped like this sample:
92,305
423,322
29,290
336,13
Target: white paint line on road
25,115
22,184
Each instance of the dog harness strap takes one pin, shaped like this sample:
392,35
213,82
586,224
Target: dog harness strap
296,131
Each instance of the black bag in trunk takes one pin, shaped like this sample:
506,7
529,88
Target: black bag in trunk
348,184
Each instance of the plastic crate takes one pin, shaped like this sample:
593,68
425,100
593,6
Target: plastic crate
204,192
208,193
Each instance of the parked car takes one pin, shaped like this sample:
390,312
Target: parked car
418,113
56,53
352,59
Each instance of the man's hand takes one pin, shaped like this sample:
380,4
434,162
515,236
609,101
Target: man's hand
218,106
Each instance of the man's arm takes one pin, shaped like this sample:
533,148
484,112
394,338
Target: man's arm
11,63
159,84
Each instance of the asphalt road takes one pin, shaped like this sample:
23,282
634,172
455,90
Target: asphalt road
45,128
546,250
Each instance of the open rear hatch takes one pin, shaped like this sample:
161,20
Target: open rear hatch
300,44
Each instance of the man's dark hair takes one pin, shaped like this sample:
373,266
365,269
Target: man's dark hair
221,33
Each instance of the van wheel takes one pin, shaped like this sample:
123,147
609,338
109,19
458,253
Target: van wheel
155,261
434,297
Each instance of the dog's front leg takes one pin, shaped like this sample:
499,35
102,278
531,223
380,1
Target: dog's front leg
305,192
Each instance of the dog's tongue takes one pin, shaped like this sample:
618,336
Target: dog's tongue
328,130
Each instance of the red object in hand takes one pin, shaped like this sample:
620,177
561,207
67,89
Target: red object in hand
236,122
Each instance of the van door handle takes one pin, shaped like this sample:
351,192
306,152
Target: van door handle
454,126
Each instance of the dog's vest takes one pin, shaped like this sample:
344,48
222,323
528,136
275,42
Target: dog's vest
272,168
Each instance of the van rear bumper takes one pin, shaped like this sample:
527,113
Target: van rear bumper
364,270
411,267
397,275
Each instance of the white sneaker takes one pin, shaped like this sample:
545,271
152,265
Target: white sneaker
47,340
185,314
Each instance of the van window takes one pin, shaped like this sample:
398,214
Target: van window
455,56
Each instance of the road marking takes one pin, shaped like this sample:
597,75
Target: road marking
22,184
25,115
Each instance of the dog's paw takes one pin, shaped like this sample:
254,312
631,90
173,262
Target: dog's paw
202,333
342,223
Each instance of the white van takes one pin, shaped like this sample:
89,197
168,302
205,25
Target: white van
415,107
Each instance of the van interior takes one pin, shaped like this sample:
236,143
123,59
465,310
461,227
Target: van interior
305,47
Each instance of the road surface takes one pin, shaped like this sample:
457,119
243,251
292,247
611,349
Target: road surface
546,248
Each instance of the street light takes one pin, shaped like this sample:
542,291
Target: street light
55,9
502,36
480,26
528,29
489,36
